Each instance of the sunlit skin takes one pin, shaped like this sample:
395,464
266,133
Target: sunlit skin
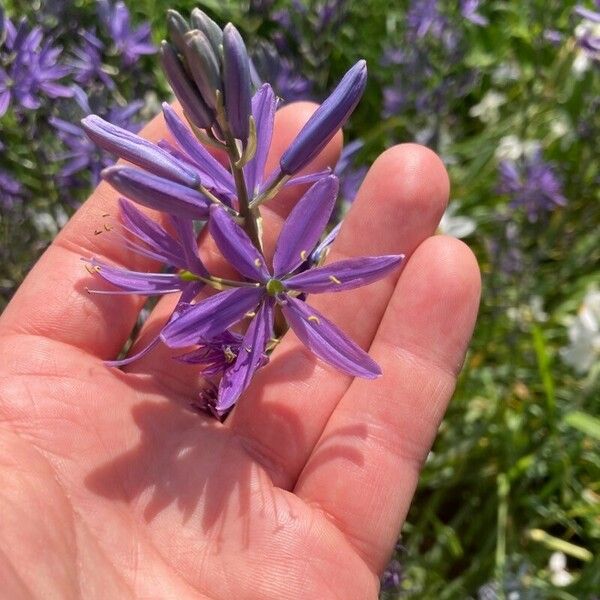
112,487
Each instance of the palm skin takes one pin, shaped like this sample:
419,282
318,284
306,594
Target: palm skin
111,487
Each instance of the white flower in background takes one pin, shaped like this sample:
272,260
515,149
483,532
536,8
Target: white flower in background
513,148
505,72
49,224
487,110
455,225
584,334
581,63
533,311
559,576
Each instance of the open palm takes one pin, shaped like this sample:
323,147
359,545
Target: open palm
112,486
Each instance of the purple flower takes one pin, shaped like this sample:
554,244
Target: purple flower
87,62
424,18
153,241
11,191
350,176
32,70
392,576
130,42
531,184
468,9
284,286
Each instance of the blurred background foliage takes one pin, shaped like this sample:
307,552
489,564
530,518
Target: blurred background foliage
507,92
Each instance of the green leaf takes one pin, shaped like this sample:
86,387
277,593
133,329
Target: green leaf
586,423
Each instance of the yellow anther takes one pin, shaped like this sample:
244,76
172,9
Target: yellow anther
106,214
97,231
89,269
314,319
303,255
257,262
250,314
335,279
230,355
107,227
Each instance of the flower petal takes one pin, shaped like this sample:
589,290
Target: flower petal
134,282
309,178
326,341
187,235
138,151
157,193
304,226
251,356
236,246
264,104
152,234
208,166
344,274
211,316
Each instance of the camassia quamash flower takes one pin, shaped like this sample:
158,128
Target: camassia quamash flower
283,286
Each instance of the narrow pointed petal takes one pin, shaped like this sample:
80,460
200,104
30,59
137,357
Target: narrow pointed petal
152,234
264,105
326,120
309,178
251,356
304,226
236,247
211,317
157,193
327,342
138,151
193,105
208,166
134,282
344,274
189,245
320,252
236,83
131,359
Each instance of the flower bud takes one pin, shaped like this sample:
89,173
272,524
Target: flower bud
236,83
157,193
203,65
208,27
138,151
326,120
195,108
177,27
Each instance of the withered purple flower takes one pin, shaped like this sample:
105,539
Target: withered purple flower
263,290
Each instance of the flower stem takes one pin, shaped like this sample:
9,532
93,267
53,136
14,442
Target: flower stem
250,215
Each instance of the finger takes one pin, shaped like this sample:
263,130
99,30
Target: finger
288,122
380,433
53,301
398,206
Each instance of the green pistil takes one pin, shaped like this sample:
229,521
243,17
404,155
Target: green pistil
188,276
274,287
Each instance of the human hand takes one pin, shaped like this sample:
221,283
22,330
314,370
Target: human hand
111,487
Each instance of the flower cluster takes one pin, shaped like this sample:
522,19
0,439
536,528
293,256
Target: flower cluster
531,184
232,332
29,67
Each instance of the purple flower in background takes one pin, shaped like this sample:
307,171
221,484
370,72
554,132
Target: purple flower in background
469,8
531,184
33,69
130,42
350,176
87,62
588,31
392,576
11,191
424,17
257,296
